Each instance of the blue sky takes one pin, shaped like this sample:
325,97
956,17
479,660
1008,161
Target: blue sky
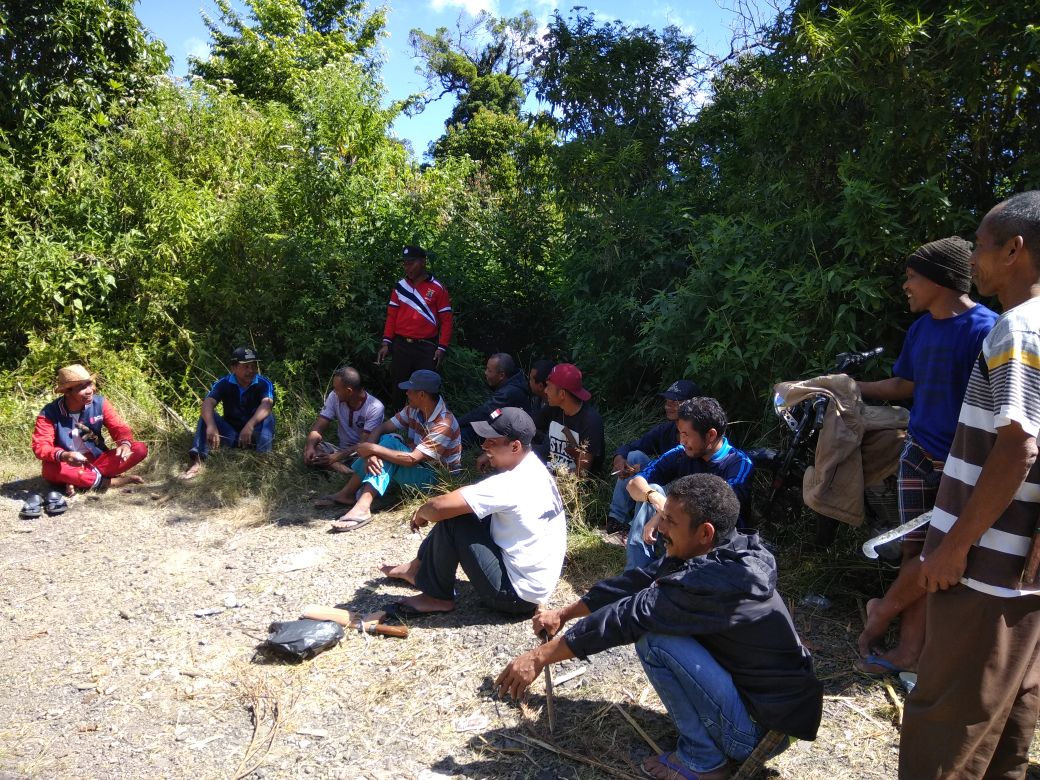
178,23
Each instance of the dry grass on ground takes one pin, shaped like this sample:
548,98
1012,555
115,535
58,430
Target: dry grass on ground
109,673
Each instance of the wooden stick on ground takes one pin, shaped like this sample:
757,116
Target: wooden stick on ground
653,745
895,703
567,754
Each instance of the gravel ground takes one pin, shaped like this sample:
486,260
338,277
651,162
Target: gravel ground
113,671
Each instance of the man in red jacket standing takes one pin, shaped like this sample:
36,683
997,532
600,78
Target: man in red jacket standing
418,321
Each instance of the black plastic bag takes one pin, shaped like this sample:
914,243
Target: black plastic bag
303,639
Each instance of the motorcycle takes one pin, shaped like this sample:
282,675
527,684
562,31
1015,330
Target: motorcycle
800,425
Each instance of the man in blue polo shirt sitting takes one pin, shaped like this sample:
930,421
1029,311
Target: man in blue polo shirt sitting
703,449
247,401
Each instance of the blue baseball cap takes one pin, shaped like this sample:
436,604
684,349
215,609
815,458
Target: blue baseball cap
427,381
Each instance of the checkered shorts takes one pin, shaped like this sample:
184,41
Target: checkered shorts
918,485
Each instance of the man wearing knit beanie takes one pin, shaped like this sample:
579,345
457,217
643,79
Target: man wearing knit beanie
933,369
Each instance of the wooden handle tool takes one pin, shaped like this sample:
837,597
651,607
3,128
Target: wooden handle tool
368,623
550,712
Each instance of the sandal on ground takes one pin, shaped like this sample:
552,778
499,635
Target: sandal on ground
54,503
342,526
331,500
886,667
32,507
677,770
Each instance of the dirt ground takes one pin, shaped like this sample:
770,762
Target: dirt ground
112,668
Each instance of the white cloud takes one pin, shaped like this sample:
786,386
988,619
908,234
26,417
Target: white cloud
196,47
472,7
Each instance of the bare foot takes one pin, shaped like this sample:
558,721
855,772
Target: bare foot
192,471
874,630
401,571
70,490
126,479
425,604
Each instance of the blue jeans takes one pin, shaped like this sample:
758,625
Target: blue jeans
637,552
622,505
421,476
713,723
263,435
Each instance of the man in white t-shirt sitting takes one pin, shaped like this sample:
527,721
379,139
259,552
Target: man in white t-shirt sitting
356,413
508,531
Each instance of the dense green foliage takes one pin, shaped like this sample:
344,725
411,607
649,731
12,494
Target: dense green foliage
738,222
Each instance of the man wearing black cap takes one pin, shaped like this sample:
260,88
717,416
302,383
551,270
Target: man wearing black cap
418,321
247,400
508,531
632,456
933,369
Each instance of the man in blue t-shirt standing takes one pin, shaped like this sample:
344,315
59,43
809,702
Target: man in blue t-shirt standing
247,401
703,449
933,369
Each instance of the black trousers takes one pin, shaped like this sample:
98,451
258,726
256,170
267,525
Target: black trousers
408,356
466,541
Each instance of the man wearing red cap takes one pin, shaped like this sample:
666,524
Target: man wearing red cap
571,427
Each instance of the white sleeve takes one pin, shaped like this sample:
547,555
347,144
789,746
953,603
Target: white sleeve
328,411
375,417
489,495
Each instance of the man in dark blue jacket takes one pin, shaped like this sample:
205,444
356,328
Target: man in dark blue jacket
703,449
710,629
633,455
508,388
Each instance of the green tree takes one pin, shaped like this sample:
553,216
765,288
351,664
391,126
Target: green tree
79,54
265,55
484,65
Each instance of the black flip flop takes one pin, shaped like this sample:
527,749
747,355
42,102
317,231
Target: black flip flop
54,503
32,506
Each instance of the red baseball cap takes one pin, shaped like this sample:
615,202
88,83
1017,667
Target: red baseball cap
568,376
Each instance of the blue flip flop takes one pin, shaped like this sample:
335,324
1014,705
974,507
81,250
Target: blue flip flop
877,660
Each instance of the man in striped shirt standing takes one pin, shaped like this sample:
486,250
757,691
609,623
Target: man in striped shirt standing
975,706
418,321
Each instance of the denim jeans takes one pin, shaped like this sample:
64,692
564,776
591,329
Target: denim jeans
622,505
713,723
263,435
637,552
466,541
420,476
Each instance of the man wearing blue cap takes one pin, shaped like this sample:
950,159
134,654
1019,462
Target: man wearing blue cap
402,450
507,532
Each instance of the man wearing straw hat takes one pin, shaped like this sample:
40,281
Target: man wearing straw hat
69,439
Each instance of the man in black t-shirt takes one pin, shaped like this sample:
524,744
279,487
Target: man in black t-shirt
571,428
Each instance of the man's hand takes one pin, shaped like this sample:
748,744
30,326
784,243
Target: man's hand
438,358
650,529
550,621
519,674
943,568
245,436
374,466
213,437
483,463
366,449
74,458
123,452
382,353
418,520
619,466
